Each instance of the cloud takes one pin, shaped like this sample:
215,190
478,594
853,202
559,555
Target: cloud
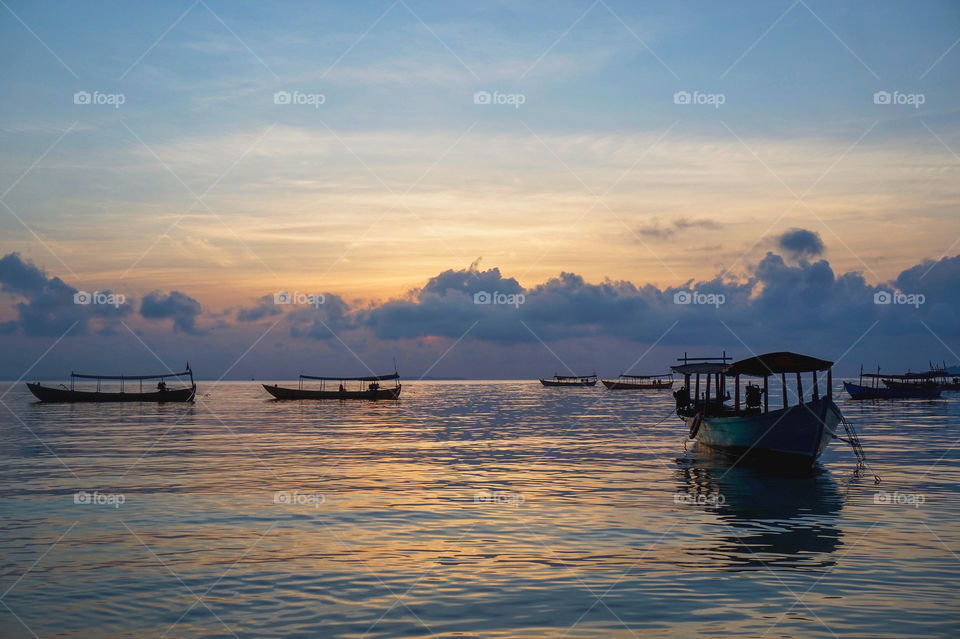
266,307
52,307
801,243
656,229
179,307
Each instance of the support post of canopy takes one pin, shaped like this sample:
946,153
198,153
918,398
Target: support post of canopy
829,383
696,393
736,392
783,384
707,399
799,389
766,394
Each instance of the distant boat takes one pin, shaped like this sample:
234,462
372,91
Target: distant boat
795,434
160,394
905,386
571,380
367,388
640,382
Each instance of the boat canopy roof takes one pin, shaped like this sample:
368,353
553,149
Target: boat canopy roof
779,362
185,373
905,376
625,376
700,367
370,378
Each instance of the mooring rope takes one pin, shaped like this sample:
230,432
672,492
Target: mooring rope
854,440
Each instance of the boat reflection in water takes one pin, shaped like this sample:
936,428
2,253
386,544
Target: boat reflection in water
764,518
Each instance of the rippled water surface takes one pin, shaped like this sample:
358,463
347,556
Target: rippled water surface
480,509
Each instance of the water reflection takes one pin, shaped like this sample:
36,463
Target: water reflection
764,517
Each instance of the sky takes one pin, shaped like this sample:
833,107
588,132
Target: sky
392,166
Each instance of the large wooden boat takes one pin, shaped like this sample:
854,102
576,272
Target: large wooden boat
893,386
571,380
796,435
160,393
367,388
639,382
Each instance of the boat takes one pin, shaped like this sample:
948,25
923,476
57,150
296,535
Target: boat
638,382
368,388
894,386
159,394
793,435
571,380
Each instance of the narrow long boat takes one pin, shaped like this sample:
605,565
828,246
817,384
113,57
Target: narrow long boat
795,435
640,382
368,388
571,380
905,386
161,393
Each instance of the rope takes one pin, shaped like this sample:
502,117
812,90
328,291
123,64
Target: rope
854,440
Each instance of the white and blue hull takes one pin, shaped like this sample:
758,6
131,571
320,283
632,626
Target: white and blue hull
796,433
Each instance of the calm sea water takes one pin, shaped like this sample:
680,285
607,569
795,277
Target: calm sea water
482,509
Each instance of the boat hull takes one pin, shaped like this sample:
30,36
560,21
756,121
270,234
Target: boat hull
615,385
797,434
868,392
280,392
551,382
64,395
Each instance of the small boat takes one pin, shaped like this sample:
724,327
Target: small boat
160,394
640,382
368,388
571,380
796,435
905,386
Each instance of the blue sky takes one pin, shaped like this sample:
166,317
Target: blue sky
200,183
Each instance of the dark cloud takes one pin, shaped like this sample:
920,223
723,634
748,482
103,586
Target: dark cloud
801,244
321,321
179,307
266,307
51,305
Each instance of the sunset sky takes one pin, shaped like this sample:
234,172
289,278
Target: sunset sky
388,184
